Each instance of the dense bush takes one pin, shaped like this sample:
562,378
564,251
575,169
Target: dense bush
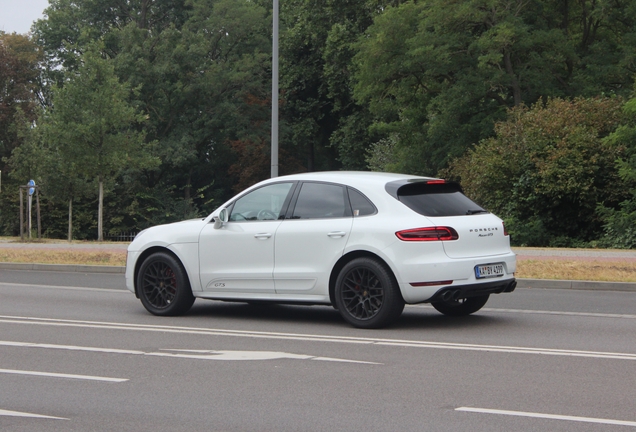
548,169
620,223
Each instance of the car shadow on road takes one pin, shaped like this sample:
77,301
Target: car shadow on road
265,311
429,319
412,318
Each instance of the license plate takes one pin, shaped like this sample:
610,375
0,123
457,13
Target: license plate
489,270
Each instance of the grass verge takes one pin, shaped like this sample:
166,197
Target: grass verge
43,256
604,271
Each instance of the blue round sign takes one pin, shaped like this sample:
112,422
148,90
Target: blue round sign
31,189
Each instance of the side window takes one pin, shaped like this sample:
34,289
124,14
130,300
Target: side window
320,201
360,204
263,203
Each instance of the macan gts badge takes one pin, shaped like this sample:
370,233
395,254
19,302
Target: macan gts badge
365,243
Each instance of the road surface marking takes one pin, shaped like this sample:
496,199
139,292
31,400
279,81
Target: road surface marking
10,285
60,375
540,312
547,416
248,355
581,314
315,338
176,353
22,414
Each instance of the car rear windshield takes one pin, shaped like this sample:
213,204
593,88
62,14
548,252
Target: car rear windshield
437,199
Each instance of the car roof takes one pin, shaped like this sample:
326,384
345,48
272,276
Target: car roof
356,179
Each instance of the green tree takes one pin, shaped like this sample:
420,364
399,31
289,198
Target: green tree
92,127
201,86
57,175
620,222
547,169
19,85
71,26
438,74
198,66
318,42
20,89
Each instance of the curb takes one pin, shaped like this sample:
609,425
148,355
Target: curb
71,268
521,283
576,285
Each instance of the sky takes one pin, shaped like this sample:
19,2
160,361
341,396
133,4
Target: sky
18,15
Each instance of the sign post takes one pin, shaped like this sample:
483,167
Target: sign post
31,189
31,185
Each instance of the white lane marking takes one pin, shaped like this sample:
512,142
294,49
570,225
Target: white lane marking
69,347
251,355
60,375
23,414
581,314
542,312
547,416
10,285
188,354
318,338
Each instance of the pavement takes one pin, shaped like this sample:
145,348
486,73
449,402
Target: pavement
522,254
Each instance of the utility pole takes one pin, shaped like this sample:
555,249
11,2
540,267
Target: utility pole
275,90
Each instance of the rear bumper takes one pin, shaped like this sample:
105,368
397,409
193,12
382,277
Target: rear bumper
473,290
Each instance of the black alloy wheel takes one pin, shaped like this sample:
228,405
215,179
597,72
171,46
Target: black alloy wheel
461,307
367,295
163,286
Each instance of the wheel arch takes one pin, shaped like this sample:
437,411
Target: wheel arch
344,260
152,250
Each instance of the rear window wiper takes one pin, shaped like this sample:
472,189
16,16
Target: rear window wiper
472,212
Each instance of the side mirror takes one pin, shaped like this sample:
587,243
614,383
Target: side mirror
221,219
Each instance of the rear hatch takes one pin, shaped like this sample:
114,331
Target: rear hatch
479,236
480,233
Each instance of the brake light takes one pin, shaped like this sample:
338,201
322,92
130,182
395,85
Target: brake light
428,234
504,228
436,182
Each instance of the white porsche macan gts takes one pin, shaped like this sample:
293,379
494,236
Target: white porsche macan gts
366,243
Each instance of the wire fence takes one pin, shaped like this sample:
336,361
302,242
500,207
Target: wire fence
122,236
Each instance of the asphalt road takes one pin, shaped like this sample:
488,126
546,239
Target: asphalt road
79,353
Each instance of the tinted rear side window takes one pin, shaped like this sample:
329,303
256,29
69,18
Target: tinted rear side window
360,204
445,199
320,201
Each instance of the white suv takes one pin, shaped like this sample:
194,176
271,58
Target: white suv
366,243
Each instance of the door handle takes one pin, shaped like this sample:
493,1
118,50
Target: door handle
337,234
262,236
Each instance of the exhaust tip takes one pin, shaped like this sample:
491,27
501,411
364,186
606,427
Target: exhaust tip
451,295
511,287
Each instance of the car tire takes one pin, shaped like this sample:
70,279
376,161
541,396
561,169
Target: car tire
163,286
367,295
461,307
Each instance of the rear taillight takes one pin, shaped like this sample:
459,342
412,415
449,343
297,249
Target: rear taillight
436,182
428,234
504,228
